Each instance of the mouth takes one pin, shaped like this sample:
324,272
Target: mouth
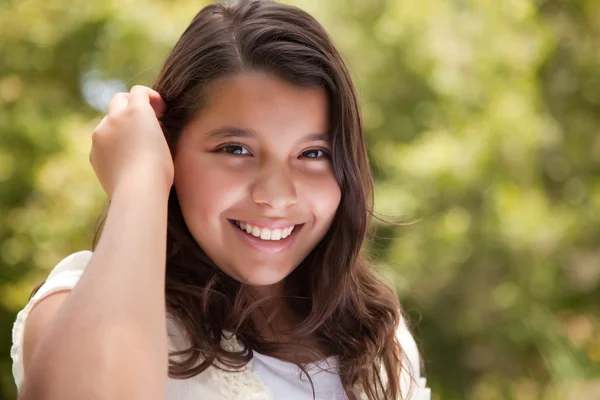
266,240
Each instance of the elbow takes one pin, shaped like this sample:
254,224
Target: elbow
34,389
119,365
30,389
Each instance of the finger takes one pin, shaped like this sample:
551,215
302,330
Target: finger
118,102
140,95
103,120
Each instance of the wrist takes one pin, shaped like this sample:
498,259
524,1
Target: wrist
145,183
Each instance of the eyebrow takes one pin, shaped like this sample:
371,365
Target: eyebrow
229,132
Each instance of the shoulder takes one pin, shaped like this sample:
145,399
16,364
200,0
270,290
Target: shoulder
412,383
73,262
409,347
63,277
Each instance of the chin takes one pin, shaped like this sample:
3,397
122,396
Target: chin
264,276
263,280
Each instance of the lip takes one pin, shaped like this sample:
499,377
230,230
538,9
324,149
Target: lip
267,246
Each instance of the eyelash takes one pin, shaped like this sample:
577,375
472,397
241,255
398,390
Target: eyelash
230,145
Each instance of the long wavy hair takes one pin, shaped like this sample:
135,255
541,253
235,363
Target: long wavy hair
337,292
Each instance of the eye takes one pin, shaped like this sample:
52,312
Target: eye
315,153
235,149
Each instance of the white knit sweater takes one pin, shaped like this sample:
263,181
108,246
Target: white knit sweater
213,383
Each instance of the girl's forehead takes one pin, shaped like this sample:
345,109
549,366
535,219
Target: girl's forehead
262,88
262,103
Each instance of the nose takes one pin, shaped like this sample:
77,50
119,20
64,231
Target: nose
274,188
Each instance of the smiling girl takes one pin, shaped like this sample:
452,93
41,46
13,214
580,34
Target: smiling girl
229,264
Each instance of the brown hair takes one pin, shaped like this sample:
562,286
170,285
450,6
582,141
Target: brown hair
335,289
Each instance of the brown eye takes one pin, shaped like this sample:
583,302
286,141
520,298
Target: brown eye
235,149
315,153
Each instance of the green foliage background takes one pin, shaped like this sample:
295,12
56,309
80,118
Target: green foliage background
482,122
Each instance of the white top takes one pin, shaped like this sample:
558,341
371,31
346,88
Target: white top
264,377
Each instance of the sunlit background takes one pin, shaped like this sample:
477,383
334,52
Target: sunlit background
482,120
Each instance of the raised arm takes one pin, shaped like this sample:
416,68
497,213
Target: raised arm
106,339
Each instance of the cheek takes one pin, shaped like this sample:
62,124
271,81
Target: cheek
204,191
324,197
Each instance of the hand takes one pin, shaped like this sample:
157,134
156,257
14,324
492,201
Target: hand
129,144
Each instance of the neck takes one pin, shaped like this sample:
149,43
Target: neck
272,319
275,316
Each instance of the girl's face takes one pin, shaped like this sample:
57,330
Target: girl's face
256,157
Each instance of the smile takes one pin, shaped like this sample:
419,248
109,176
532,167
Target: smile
266,240
265,233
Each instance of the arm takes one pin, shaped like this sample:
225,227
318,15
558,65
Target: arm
107,338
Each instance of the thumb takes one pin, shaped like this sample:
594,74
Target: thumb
145,94
158,103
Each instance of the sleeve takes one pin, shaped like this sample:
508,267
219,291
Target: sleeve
412,385
64,276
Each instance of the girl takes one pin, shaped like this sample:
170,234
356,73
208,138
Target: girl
240,196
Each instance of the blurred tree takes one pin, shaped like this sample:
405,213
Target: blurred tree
481,120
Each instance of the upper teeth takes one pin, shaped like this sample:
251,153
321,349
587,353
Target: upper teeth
266,233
